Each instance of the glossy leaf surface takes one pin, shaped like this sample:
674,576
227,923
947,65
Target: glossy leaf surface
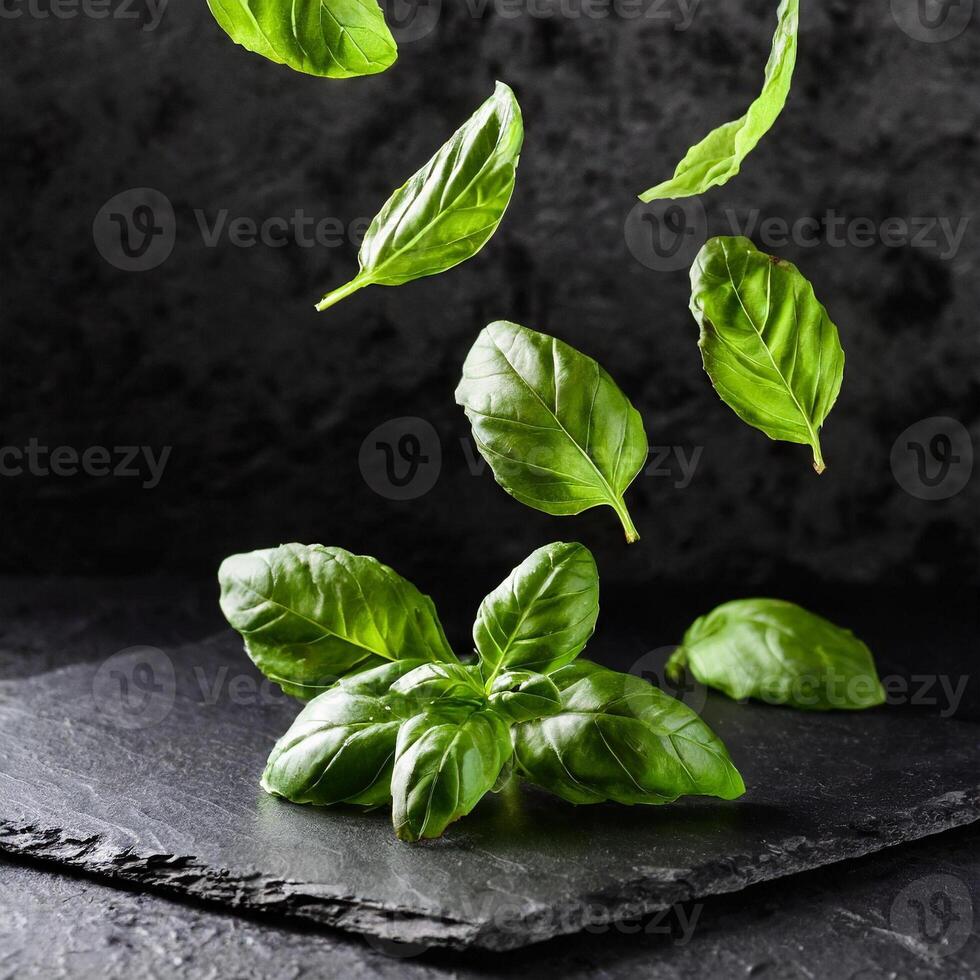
556,430
619,738
445,763
719,156
768,345
310,615
450,209
778,652
329,38
542,615
341,748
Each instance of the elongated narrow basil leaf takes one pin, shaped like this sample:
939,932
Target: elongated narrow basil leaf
521,695
776,651
768,346
450,209
719,156
557,432
542,615
445,762
329,38
619,738
310,615
341,748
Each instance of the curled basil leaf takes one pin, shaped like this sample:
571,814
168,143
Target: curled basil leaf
557,432
777,652
310,615
341,747
521,695
719,156
450,209
542,615
768,346
619,738
329,38
445,763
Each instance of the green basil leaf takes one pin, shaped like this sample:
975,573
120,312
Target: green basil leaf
768,346
542,615
341,748
719,156
557,432
430,684
619,738
310,615
450,209
521,695
329,38
776,651
445,762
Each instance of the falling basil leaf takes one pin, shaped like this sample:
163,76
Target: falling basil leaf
445,762
557,432
619,738
310,615
341,747
718,157
329,38
777,652
771,351
542,615
449,210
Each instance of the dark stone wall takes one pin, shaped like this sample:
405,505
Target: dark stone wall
217,352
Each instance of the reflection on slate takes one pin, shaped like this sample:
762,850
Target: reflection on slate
146,767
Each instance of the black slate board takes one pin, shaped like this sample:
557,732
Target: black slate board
858,920
145,768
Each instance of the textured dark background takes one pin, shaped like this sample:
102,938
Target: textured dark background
218,353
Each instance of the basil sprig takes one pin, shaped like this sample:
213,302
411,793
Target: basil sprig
719,156
558,433
768,345
778,652
406,722
329,38
450,209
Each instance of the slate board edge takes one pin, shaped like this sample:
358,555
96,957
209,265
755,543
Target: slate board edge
182,876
